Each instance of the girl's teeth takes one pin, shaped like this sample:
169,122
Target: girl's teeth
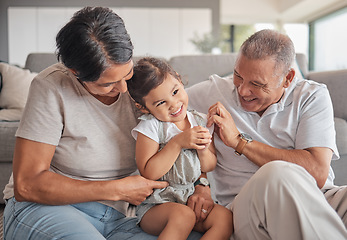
176,111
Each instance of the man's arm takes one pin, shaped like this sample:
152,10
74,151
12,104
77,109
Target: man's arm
315,160
201,199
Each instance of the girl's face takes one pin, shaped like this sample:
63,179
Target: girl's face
112,81
169,101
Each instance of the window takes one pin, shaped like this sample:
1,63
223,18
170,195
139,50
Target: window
235,35
328,49
298,33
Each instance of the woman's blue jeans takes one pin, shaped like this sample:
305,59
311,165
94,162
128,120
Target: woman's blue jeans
92,220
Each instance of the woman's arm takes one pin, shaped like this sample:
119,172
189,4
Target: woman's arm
34,182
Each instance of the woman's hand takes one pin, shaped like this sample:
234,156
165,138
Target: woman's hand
135,189
224,124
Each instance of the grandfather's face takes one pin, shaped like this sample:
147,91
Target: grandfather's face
257,84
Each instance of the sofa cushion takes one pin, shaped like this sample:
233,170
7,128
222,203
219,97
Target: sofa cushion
7,140
15,89
341,135
0,81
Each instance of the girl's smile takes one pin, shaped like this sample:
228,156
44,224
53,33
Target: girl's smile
178,112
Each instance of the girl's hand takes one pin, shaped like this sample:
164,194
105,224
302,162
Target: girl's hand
197,137
224,124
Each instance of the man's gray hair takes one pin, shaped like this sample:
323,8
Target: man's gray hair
268,43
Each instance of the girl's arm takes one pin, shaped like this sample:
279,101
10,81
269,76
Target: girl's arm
207,157
153,164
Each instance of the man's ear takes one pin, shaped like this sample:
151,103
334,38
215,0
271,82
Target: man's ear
141,108
289,78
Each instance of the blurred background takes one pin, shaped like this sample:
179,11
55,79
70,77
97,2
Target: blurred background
166,28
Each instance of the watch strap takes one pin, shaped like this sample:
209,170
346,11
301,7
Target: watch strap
198,182
240,146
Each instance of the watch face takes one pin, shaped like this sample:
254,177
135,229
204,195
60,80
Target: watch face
204,181
247,137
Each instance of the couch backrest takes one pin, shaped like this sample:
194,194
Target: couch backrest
197,68
336,82
302,61
36,62
192,68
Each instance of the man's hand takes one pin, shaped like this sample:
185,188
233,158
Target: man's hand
201,202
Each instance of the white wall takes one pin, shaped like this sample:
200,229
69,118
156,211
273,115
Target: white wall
276,11
162,32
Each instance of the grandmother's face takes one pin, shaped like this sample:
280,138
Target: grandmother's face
112,81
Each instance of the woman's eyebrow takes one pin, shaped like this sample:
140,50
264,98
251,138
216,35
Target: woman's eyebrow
120,79
131,70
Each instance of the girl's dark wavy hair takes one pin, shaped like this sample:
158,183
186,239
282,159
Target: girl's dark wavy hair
93,40
149,73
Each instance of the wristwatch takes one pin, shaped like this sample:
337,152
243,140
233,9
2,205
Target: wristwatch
244,139
202,181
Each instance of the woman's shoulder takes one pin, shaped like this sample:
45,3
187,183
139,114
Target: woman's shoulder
53,71
56,78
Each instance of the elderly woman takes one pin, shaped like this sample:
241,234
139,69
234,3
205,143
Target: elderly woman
73,168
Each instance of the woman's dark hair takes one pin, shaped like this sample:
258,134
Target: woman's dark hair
93,40
149,73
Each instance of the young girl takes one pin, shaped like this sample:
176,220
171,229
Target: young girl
172,145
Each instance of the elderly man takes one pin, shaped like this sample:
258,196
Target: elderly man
275,140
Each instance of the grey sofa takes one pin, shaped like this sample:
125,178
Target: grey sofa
194,69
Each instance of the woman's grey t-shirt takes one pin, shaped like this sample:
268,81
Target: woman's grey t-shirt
92,139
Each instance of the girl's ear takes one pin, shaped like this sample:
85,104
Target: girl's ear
141,108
